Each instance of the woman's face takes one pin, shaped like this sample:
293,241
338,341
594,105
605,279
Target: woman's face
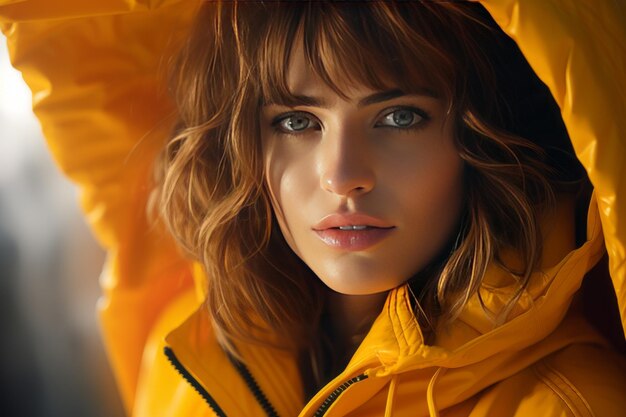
366,190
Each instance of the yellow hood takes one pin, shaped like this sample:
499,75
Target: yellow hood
578,49
96,72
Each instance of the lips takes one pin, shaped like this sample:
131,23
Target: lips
352,231
337,220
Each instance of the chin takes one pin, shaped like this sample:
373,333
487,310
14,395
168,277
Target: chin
359,284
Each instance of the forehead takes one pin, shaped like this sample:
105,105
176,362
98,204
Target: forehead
310,89
299,75
303,80
307,55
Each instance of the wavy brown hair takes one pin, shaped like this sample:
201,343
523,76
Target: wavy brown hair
211,191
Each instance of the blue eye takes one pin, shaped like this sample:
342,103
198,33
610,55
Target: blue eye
402,118
295,123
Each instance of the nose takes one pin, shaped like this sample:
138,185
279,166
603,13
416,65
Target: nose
346,165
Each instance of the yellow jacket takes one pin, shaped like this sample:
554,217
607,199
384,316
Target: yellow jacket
96,72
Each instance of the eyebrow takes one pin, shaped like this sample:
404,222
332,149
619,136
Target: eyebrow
379,97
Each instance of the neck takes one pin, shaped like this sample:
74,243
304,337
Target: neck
351,316
348,318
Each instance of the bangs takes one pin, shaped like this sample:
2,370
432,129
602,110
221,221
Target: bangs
379,45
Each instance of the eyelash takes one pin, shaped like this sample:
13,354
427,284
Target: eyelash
423,115
276,122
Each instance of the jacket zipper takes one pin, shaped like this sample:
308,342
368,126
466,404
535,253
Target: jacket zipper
336,393
253,386
243,372
193,382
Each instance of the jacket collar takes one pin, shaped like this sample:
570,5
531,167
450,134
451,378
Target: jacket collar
468,356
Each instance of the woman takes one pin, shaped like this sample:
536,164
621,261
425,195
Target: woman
486,324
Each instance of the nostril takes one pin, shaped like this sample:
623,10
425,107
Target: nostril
346,170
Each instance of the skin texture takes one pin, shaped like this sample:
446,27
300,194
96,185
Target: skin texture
345,156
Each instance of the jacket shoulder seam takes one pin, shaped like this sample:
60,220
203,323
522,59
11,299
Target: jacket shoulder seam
563,388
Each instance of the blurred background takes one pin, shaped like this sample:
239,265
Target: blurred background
52,361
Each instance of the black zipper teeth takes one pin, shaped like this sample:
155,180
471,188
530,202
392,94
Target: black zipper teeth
336,393
193,382
254,387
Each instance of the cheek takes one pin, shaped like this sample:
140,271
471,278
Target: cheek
441,188
431,203
443,203
290,181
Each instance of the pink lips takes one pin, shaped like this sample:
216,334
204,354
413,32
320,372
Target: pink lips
328,230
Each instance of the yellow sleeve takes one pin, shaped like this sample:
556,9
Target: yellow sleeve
96,70
578,48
